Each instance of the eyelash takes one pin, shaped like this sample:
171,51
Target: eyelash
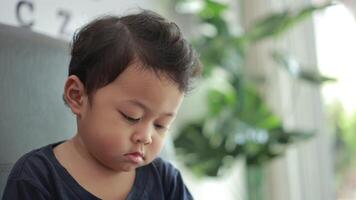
135,120
160,127
130,119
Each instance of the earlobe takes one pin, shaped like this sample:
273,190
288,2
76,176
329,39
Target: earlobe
74,94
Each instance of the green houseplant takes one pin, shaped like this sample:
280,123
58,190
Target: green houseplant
238,121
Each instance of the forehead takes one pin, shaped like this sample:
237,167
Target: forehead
154,90
144,78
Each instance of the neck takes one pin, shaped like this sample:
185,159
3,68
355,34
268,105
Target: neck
101,181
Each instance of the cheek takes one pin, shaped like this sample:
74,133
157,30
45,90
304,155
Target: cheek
105,122
106,133
114,139
157,144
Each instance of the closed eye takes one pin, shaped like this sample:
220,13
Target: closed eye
130,119
160,127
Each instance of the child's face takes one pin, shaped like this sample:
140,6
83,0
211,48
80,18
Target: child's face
129,117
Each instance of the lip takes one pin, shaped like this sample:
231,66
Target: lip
135,157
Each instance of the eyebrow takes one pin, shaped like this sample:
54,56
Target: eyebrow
144,107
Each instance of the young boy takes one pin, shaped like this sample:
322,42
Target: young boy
127,78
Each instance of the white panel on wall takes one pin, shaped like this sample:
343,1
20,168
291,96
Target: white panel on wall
60,18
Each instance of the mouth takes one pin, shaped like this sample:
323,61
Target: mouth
135,157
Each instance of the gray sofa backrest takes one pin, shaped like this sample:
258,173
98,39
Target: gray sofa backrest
33,68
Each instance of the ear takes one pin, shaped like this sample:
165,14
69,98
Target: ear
74,94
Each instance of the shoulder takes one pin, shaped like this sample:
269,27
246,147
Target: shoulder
29,175
171,180
167,172
164,167
31,163
37,166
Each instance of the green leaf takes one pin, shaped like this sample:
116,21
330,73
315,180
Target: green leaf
293,67
266,27
315,78
219,100
212,9
239,121
278,23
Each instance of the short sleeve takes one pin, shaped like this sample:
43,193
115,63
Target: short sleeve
172,180
177,189
24,190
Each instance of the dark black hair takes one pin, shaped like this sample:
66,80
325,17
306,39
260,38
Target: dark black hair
105,47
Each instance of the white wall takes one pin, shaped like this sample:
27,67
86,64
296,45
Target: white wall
60,18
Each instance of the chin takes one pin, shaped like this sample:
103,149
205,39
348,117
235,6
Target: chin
127,168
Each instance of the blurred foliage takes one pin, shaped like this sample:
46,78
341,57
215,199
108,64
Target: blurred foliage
293,68
238,122
345,137
277,24
344,124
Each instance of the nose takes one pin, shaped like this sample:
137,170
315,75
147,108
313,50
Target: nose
143,134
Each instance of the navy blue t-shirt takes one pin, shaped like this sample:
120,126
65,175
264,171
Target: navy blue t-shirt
38,175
